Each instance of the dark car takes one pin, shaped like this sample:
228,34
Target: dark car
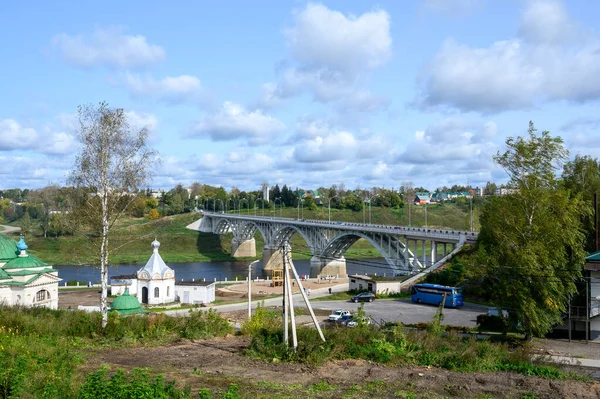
342,321
363,297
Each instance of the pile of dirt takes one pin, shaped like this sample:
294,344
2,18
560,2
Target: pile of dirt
189,362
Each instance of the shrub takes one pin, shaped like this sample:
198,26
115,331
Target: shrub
153,214
205,324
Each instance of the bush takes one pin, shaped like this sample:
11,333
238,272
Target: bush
153,214
205,324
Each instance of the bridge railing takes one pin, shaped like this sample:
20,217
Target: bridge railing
377,228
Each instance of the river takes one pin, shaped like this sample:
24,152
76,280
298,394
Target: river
212,270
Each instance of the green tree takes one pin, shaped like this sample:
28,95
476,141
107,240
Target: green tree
531,242
491,188
114,162
581,176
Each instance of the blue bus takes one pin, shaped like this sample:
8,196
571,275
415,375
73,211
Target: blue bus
434,294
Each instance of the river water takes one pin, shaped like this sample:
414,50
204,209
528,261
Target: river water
218,270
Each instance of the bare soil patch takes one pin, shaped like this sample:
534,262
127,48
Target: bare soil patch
217,362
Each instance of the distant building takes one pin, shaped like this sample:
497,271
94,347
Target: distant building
423,197
154,284
265,191
375,284
24,279
507,191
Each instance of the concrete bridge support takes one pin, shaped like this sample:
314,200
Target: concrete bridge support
272,259
327,266
243,248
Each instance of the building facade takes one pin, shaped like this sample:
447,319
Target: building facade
24,279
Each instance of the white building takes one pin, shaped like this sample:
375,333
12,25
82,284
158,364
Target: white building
195,292
154,284
24,279
377,285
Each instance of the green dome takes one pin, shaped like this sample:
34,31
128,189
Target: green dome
126,304
24,262
8,248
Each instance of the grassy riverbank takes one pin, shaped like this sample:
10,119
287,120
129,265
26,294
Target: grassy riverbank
131,243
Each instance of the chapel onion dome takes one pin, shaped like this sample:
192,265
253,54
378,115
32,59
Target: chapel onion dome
8,248
22,247
155,269
126,304
24,260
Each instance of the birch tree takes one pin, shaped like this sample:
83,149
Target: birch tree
531,243
114,162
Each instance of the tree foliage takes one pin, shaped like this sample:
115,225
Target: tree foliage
581,176
114,163
531,242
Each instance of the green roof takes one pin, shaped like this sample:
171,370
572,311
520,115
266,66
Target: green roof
26,272
4,275
594,257
24,262
8,248
126,304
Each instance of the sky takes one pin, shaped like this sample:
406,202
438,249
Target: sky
306,94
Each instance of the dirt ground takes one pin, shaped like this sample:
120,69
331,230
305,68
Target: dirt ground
219,361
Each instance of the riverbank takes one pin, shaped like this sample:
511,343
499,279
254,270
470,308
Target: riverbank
131,243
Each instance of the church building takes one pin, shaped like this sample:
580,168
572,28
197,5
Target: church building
153,284
24,279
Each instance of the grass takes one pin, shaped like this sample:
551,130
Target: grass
179,244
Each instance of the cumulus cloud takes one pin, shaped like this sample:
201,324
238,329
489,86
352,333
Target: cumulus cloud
516,73
107,47
58,143
448,141
233,122
14,136
170,89
330,55
324,38
336,146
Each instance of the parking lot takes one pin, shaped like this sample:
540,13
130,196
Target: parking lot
403,310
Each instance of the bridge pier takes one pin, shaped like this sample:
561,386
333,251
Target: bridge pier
327,266
243,248
272,259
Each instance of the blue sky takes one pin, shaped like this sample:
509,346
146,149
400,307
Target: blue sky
297,93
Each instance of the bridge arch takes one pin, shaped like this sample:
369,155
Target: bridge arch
339,244
285,234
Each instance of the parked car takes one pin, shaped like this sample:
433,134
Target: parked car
354,322
363,297
335,316
345,319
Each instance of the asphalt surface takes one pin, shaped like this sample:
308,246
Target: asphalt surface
403,310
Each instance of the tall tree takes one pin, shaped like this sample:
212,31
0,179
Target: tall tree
114,162
531,241
581,176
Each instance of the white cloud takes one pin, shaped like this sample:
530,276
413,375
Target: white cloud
331,53
449,141
546,21
336,146
141,119
515,73
170,89
109,47
379,172
13,136
58,143
233,122
324,38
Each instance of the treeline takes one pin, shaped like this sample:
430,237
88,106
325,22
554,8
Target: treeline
46,210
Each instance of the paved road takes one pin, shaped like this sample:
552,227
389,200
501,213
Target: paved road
402,310
8,229
405,311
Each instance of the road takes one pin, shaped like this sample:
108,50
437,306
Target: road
402,310
8,229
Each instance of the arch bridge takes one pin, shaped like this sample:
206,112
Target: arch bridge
329,240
